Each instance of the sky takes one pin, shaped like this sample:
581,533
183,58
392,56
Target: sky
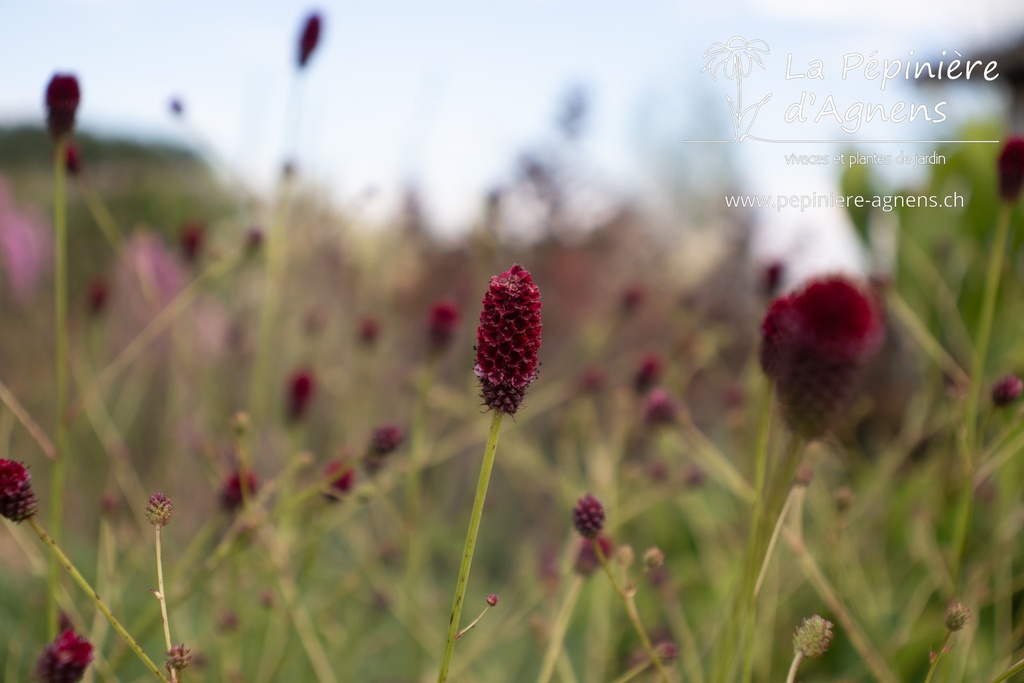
447,93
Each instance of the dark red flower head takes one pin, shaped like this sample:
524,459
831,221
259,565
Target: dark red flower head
301,389
341,478
813,344
309,39
231,493
369,330
508,339
73,159
633,297
648,373
660,408
588,516
772,277
65,659
99,292
17,500
191,239
442,322
386,438
1007,390
62,98
1011,169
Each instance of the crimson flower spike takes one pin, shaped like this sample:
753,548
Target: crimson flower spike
310,38
508,340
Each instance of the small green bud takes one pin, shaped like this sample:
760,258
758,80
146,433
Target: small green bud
813,637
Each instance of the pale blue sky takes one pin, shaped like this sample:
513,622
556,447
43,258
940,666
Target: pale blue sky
448,91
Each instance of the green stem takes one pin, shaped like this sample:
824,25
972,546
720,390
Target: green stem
60,226
936,658
791,676
162,596
559,629
988,308
467,553
969,435
634,616
1013,670
94,596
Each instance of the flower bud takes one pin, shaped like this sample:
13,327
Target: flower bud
1007,390
159,510
813,637
301,389
62,98
957,616
441,323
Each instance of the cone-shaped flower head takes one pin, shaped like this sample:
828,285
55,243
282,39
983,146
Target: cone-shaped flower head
301,388
178,658
309,38
588,516
64,660
442,322
62,98
648,373
1011,169
159,510
17,500
508,339
1007,390
956,616
231,493
814,343
191,238
385,439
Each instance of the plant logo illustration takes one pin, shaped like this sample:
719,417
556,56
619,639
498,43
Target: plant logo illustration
735,59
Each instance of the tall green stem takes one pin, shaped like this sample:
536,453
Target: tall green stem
467,552
60,227
969,438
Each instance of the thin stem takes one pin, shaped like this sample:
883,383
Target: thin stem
1013,670
935,659
94,596
558,630
471,624
60,225
988,308
791,676
968,437
156,326
161,596
634,617
30,425
467,553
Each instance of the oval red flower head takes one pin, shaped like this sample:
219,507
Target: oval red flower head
1011,169
310,38
62,98
65,659
814,343
508,339
17,500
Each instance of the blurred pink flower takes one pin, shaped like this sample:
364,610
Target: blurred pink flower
24,247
